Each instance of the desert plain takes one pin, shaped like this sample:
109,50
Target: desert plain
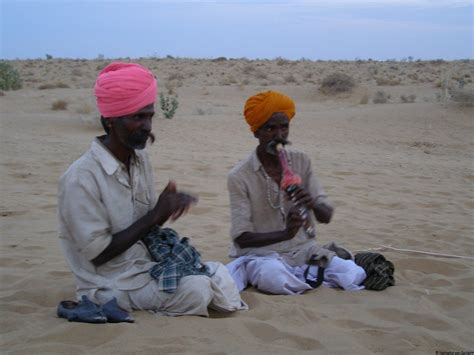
398,166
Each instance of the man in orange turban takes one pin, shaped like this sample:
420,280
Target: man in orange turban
107,205
270,246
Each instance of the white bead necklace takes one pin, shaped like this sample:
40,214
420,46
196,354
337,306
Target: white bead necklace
279,205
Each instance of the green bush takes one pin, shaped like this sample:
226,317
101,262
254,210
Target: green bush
168,105
9,77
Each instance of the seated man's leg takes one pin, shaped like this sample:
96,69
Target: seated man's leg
345,274
226,296
275,277
192,297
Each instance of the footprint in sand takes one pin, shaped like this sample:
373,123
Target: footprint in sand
11,213
197,211
422,320
430,266
269,334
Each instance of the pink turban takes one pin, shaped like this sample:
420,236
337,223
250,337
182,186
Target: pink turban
260,107
124,88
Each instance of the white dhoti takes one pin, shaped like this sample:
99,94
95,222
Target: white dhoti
193,296
272,274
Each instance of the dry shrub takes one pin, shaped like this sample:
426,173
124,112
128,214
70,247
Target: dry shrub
219,59
59,105
387,81
464,97
228,81
261,75
337,83
364,99
290,78
85,109
58,85
408,99
2,93
175,76
282,61
381,97
248,69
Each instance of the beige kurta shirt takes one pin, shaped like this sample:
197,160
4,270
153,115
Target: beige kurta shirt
258,205
97,198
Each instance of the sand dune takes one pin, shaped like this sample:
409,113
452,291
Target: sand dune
399,174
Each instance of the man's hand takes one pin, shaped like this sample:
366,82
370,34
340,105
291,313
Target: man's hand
301,197
293,222
172,204
323,212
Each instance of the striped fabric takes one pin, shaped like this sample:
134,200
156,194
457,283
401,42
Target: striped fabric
380,271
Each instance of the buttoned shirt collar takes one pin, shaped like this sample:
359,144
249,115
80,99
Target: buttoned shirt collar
107,160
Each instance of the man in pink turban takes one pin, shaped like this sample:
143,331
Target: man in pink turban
270,246
108,207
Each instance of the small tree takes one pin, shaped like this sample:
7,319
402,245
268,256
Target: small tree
9,77
168,105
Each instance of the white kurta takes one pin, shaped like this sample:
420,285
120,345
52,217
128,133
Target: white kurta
97,198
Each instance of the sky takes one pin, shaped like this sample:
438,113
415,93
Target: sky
311,29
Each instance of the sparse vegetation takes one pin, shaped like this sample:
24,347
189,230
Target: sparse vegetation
59,105
169,105
464,97
408,99
381,97
85,109
391,81
364,100
58,85
337,83
219,59
290,78
9,77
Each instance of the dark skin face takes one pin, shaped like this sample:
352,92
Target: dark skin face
129,132
275,130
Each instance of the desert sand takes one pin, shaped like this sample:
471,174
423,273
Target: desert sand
400,175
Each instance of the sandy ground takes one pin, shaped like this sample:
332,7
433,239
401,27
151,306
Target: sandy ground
399,175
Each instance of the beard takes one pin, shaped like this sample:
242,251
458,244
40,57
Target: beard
138,140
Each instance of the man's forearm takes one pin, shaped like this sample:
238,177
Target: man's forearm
256,240
123,240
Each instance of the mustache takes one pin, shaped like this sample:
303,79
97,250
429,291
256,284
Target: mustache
273,143
151,137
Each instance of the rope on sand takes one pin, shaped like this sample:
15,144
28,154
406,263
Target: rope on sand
383,247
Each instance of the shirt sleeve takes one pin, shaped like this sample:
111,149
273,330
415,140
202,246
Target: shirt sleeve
84,215
240,209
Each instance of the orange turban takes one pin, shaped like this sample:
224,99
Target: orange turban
124,88
259,108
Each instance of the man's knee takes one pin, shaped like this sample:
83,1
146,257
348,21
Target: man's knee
195,290
269,276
